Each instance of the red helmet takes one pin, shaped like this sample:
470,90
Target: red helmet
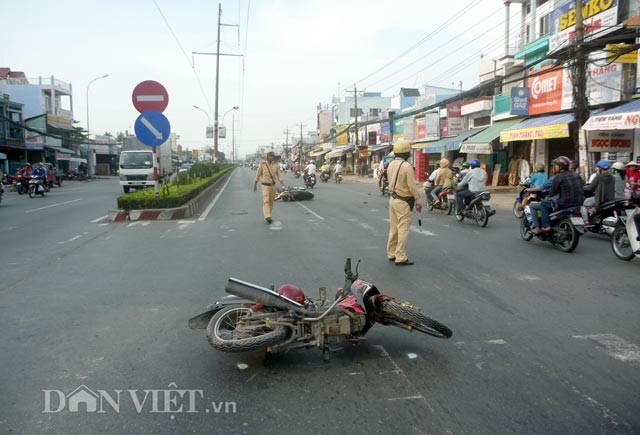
292,292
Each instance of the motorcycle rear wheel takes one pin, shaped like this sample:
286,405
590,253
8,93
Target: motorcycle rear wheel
452,207
570,244
415,319
620,243
481,215
223,334
518,210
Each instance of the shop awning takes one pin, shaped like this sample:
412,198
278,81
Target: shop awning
544,127
376,148
422,143
335,153
481,142
451,143
60,149
319,152
624,117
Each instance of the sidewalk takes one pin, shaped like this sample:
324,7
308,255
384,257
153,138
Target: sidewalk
502,197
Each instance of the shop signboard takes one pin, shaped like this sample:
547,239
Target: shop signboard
421,128
476,148
455,121
599,17
544,132
546,91
431,126
520,101
611,141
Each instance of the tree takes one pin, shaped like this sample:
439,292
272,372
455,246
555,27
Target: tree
120,137
78,134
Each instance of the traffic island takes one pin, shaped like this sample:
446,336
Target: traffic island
179,200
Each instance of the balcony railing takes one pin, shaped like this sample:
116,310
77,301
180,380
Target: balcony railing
51,82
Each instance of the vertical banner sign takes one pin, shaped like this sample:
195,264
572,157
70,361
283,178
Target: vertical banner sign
421,128
520,101
455,121
432,126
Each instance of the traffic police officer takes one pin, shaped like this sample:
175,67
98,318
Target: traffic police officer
267,173
403,197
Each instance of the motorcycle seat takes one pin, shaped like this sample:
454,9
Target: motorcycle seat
563,212
611,204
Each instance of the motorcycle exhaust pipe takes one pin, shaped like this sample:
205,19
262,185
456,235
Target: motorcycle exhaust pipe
265,296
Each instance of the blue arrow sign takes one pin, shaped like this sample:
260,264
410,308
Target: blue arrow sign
152,128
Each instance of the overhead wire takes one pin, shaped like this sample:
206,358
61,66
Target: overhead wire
450,20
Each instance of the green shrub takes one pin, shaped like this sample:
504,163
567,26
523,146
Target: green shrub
178,194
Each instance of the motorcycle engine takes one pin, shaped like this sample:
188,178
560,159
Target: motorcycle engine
341,323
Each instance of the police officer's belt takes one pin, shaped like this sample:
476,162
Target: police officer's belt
408,199
268,184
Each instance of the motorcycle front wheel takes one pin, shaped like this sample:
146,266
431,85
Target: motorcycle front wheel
413,318
231,331
32,192
620,243
452,207
518,210
525,230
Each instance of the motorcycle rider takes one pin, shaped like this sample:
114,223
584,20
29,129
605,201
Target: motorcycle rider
566,191
325,170
41,172
309,170
603,188
443,179
337,169
403,196
466,166
476,179
633,174
619,174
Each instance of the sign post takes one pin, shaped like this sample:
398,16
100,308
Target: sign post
152,128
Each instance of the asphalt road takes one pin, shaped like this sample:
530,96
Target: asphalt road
544,341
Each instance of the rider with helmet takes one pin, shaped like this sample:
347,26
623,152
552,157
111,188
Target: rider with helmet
602,187
619,174
444,180
566,191
466,166
633,174
476,179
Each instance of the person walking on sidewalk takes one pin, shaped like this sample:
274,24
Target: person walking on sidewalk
267,173
403,196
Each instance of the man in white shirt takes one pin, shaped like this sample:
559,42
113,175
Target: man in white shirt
337,169
476,180
310,169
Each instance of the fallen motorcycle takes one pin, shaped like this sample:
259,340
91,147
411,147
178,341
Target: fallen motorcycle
255,317
294,194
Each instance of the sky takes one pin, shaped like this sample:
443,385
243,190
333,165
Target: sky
296,54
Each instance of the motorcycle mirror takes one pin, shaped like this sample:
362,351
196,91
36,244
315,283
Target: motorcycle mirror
347,266
357,265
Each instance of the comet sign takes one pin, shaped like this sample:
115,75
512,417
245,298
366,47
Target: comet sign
152,128
150,95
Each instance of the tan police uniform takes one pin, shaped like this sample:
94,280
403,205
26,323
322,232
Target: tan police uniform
268,174
399,209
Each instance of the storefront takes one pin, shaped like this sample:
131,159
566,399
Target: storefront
423,163
538,140
486,147
613,134
448,147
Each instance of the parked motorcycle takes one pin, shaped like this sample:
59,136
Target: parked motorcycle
478,208
566,228
623,229
310,181
37,187
446,201
255,317
325,176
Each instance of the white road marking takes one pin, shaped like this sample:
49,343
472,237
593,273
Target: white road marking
53,205
498,341
366,226
210,206
310,211
417,397
187,222
71,239
103,225
616,347
417,230
100,219
528,278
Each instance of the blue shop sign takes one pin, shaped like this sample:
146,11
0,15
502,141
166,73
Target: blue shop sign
520,101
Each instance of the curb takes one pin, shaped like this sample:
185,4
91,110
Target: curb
165,214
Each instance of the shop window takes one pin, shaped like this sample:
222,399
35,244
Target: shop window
544,25
374,112
352,112
481,121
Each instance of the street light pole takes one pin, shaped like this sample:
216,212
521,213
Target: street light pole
208,120
90,160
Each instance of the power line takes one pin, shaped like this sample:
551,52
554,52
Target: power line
457,15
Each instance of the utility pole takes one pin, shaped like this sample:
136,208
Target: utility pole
286,143
580,99
355,96
301,143
217,54
233,137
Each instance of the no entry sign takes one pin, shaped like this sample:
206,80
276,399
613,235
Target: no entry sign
150,95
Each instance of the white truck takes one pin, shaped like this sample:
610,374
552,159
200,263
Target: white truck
136,163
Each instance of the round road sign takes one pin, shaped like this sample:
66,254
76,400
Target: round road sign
150,95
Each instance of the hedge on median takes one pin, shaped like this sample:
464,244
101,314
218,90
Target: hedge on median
177,193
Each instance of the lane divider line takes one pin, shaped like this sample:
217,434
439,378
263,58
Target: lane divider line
310,211
53,205
100,219
213,202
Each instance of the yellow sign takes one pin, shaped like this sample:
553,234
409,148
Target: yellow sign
364,153
589,9
342,136
614,51
533,133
